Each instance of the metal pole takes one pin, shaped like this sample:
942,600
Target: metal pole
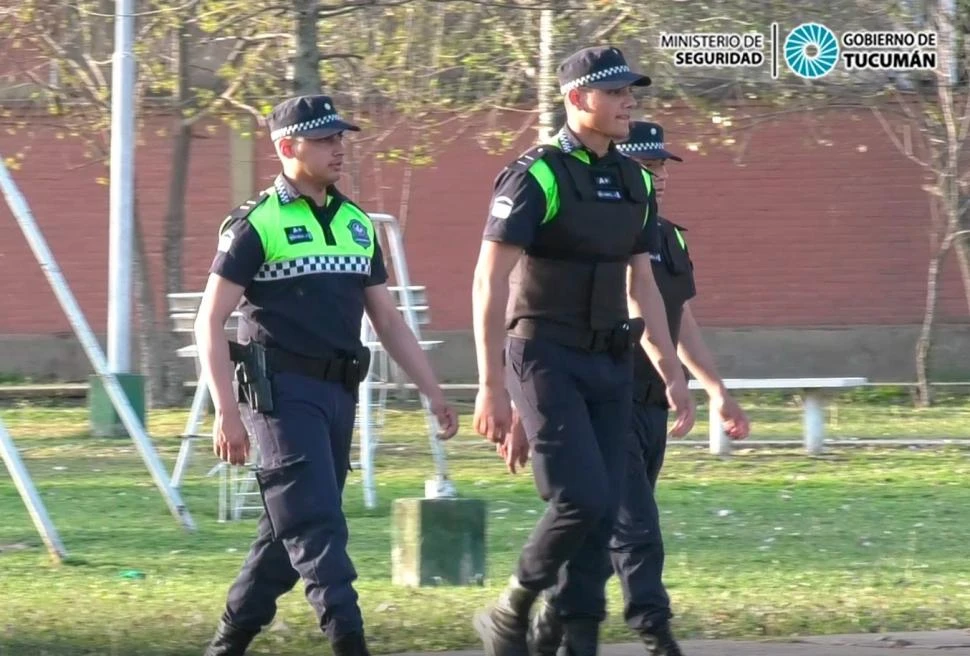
546,82
122,180
948,41
35,507
396,244
20,210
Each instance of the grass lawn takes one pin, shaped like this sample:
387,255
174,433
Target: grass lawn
767,542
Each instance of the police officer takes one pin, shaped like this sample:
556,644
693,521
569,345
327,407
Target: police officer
566,220
303,264
636,547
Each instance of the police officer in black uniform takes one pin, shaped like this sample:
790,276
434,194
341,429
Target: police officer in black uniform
566,220
303,264
636,546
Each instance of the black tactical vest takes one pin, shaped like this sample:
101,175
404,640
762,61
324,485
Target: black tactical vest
674,273
574,273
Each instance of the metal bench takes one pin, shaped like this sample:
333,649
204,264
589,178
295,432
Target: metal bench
813,391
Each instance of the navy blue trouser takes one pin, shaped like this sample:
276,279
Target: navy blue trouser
575,408
305,456
637,548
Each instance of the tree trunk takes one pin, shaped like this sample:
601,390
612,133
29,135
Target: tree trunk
150,359
925,342
306,62
172,391
962,248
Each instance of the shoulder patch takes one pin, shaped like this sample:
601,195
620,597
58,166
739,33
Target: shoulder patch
528,158
244,210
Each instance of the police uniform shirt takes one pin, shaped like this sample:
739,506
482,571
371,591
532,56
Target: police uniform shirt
520,203
311,305
674,272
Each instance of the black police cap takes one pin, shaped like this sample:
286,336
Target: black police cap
306,116
646,140
599,67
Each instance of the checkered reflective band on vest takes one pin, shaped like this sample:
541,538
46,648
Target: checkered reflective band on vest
295,243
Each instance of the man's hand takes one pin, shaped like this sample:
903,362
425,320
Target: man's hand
446,416
735,422
230,441
682,406
515,448
493,412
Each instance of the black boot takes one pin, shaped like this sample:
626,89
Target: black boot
546,630
229,641
503,627
660,641
351,644
580,637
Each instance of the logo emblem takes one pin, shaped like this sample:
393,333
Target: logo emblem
225,241
502,207
359,233
811,51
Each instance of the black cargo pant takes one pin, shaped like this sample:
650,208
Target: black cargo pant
575,408
305,456
637,549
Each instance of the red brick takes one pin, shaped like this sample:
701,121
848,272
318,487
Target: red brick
798,234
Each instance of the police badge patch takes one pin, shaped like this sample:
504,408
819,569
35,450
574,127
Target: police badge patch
359,234
502,207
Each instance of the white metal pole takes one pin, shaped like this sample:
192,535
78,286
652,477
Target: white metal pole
20,210
548,88
121,193
445,488
948,37
35,507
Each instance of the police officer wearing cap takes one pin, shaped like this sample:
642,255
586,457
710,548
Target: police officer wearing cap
302,263
636,547
566,220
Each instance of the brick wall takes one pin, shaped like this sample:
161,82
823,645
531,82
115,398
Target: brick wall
795,233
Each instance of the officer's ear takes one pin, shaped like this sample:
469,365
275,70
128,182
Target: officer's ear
577,98
285,147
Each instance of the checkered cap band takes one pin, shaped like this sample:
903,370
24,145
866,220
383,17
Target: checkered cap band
304,266
640,147
594,77
312,124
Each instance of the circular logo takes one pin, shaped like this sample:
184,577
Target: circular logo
811,50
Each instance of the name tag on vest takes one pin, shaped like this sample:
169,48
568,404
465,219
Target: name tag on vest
606,187
608,194
298,234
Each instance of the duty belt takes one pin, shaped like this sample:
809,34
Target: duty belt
617,340
348,370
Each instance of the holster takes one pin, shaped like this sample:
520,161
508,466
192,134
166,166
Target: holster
650,393
253,374
357,369
625,336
